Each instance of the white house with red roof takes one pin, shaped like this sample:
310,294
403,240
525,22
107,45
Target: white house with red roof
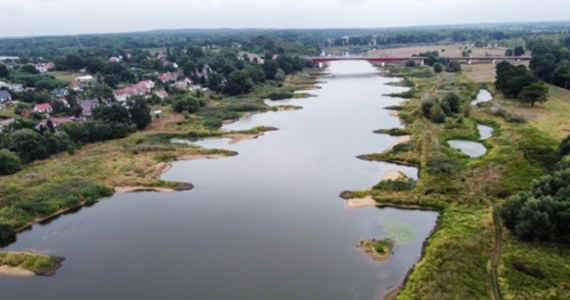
168,77
43,108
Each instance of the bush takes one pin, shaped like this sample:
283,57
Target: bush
565,146
437,114
9,162
437,67
7,233
395,185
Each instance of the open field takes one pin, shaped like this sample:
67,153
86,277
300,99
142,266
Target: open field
67,76
454,50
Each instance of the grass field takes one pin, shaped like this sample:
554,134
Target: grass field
454,50
463,259
67,76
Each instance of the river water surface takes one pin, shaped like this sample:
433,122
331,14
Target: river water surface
266,224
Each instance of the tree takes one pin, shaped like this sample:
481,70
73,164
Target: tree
215,82
437,67
437,114
454,102
453,67
410,63
534,92
140,113
280,75
3,71
29,144
427,106
239,83
186,104
544,212
9,162
7,233
564,147
270,68
518,51
29,69
509,52
115,113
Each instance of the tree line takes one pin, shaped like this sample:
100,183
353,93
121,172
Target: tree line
519,83
543,213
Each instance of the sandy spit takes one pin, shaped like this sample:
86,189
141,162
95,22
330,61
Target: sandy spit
400,140
15,272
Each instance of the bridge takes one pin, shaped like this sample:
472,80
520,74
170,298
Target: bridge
421,59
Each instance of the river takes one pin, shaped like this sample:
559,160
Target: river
266,224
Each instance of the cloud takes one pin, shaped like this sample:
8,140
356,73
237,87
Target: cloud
94,16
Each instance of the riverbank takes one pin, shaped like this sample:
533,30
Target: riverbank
464,191
66,182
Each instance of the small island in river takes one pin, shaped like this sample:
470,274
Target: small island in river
379,250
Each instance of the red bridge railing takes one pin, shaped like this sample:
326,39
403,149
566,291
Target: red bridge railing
324,59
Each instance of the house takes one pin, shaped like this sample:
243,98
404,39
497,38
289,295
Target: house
147,84
121,95
77,86
42,68
5,96
43,108
168,77
87,106
161,94
16,87
60,93
183,85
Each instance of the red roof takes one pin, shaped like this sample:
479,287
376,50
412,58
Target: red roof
43,107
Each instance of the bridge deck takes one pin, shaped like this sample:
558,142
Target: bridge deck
416,58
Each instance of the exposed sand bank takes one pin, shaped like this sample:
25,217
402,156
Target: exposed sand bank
400,140
393,175
15,272
130,189
361,202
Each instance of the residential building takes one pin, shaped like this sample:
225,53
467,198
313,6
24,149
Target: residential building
5,96
43,108
87,106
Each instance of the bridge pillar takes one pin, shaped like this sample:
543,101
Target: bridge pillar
422,63
469,62
383,64
518,60
494,61
320,65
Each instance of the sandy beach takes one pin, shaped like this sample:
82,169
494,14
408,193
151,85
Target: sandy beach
400,140
15,272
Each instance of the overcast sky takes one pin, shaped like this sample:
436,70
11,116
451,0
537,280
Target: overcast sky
46,17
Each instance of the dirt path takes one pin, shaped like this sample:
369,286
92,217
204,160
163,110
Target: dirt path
496,256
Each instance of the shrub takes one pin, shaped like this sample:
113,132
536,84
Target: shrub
9,162
565,146
395,185
7,233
